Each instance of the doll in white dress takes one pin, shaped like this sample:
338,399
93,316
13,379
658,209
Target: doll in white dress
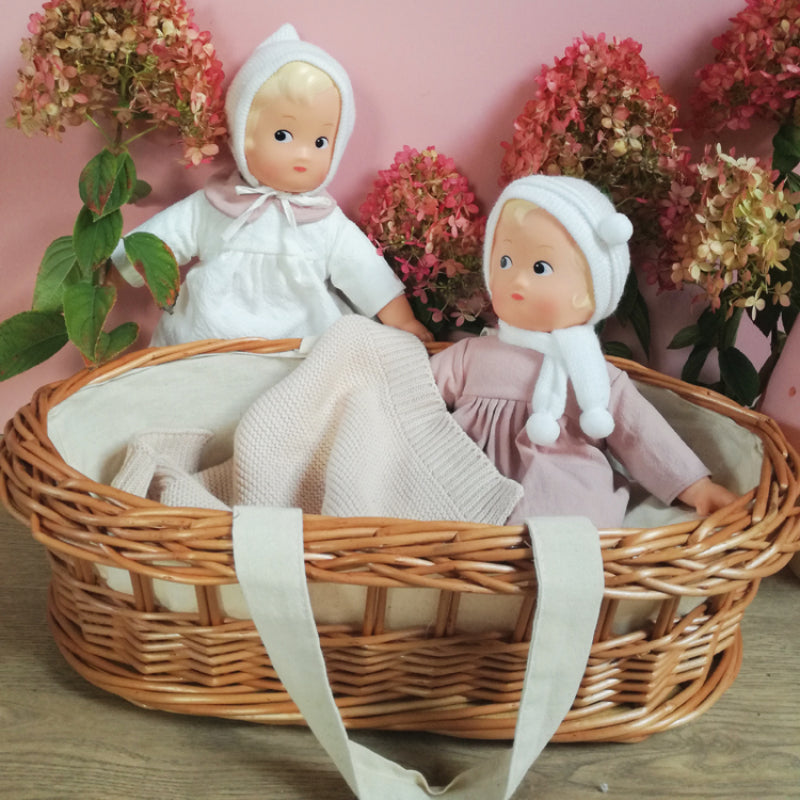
276,257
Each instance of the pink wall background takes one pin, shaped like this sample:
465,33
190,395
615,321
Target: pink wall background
424,73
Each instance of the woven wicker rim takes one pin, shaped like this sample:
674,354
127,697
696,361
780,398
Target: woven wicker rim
70,514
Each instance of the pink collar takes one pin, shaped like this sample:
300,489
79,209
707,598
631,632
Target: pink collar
230,194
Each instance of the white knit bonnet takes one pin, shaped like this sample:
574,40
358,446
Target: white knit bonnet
590,219
283,47
572,353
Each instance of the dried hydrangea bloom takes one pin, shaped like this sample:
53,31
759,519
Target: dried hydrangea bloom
144,61
600,114
421,214
756,70
731,230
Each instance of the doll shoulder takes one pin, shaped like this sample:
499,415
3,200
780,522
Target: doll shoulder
486,358
620,381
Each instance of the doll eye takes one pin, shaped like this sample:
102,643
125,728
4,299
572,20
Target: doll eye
283,136
542,268
506,262
321,143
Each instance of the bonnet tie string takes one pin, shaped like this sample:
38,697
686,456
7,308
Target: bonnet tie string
287,201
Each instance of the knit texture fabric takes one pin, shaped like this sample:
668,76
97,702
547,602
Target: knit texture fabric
572,353
358,429
273,53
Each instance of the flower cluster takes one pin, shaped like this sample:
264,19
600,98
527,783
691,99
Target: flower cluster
129,60
600,114
756,71
731,230
422,216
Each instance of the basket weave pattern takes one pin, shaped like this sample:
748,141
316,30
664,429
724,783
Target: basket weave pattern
435,677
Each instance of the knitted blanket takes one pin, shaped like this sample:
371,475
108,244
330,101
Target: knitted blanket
358,429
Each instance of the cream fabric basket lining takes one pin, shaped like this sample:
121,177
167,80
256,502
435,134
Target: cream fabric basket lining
212,391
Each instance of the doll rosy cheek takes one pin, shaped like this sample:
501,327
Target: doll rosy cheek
544,311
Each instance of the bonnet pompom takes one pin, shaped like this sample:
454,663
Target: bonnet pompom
597,423
615,229
542,428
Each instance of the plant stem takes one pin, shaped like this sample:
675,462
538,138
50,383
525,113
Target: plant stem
139,135
101,129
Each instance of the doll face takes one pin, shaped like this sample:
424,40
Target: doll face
538,277
289,143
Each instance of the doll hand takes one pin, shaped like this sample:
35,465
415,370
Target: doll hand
706,496
398,314
418,329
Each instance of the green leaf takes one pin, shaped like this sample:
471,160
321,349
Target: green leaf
86,307
767,319
140,191
28,339
786,148
633,308
113,343
618,349
697,358
626,301
640,319
685,337
710,324
53,275
95,240
729,330
793,182
156,263
107,182
739,376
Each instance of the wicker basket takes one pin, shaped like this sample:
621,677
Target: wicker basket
698,577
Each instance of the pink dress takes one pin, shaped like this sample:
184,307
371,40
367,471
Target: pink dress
487,385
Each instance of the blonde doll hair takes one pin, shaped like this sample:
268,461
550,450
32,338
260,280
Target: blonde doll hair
518,209
299,81
280,49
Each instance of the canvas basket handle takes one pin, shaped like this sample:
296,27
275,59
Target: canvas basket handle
268,553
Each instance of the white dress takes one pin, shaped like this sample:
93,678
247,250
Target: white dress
271,279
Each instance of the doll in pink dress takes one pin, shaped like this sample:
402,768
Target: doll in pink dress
539,397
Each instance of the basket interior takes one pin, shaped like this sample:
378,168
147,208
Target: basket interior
211,392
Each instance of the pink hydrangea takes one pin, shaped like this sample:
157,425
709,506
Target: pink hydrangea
421,215
600,114
756,70
141,61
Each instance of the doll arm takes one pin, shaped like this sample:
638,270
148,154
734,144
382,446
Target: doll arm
398,314
655,455
177,225
367,280
447,367
706,496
